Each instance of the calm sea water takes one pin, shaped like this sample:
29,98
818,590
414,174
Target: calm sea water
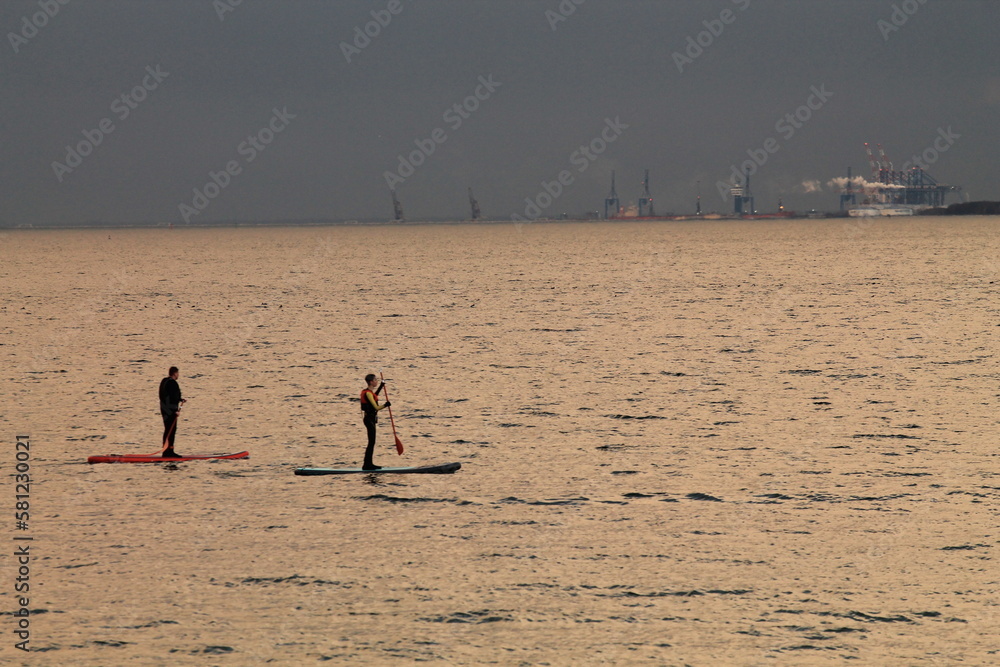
726,443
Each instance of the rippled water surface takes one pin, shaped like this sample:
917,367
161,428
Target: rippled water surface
716,443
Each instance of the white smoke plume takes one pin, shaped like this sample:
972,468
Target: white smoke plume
809,187
858,183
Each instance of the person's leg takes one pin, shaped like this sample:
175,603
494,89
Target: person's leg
169,432
370,451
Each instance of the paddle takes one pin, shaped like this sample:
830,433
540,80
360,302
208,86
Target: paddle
399,443
166,438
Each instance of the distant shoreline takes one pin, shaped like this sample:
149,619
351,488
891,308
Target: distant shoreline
981,208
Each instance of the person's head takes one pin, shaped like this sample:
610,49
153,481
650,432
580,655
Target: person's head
370,378
173,372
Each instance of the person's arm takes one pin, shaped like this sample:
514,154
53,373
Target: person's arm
371,399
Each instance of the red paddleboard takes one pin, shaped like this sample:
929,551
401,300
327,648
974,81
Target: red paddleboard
145,458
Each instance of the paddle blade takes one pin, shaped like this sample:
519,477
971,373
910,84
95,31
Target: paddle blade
399,446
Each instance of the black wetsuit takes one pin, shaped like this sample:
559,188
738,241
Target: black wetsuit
370,420
170,403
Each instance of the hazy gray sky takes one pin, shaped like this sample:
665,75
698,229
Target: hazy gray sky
288,110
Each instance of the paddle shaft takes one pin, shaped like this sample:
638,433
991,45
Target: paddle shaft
166,439
399,443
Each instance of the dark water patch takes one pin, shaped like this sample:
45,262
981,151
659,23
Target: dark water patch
845,629
674,375
294,580
634,417
73,567
474,617
682,594
723,423
113,643
862,617
151,624
87,437
511,425
704,496
966,547
624,472
398,499
516,523
566,501
898,436
616,447
225,474
142,361
802,372
956,363
814,472
559,330
776,496
896,473
217,650
31,612
968,493
636,494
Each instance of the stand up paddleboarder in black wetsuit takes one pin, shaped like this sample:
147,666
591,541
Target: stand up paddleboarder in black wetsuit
170,408
370,406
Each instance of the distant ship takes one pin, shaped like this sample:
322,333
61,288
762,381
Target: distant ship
877,210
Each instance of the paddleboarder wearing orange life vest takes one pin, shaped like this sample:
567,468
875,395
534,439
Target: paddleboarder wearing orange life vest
370,407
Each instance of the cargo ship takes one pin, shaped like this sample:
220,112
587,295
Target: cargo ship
878,210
